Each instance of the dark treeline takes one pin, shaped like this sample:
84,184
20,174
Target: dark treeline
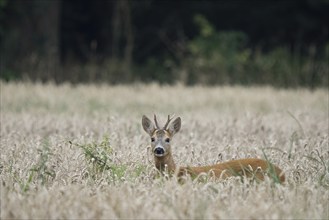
279,42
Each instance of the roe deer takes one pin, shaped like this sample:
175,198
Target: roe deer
160,145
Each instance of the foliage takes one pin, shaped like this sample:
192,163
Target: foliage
224,58
100,157
282,43
41,170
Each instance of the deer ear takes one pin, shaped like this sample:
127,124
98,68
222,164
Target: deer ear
174,126
148,125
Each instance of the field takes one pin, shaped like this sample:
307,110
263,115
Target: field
79,152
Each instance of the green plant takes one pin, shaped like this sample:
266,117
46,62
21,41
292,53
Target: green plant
41,169
271,170
216,57
100,157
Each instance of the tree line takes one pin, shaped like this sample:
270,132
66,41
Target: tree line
284,43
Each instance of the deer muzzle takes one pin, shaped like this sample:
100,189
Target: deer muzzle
159,151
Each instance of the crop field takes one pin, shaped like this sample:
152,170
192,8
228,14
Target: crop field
79,152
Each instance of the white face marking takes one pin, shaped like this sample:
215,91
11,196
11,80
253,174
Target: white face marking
160,144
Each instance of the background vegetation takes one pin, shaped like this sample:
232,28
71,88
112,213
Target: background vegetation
79,152
281,43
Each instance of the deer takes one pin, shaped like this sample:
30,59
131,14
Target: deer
161,138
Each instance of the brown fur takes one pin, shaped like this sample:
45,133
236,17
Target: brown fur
251,167
166,162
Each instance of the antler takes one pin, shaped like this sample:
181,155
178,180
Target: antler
167,123
156,122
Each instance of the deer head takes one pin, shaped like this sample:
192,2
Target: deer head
161,136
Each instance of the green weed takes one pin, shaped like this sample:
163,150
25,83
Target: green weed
41,169
271,170
100,157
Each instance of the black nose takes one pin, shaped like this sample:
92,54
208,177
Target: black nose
159,150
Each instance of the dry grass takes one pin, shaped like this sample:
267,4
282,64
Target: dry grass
79,152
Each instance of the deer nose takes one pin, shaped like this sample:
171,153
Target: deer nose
159,151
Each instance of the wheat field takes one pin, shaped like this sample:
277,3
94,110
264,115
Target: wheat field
79,152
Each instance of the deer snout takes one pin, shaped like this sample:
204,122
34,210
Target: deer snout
159,151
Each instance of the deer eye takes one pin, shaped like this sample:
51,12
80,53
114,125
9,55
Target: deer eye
167,140
152,139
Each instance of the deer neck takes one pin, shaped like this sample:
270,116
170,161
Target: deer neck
165,162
